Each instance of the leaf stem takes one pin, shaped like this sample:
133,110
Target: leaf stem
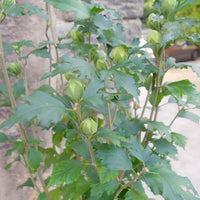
131,182
114,115
92,154
179,111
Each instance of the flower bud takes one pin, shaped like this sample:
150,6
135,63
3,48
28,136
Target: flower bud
120,54
154,37
89,127
75,89
70,75
168,7
101,64
15,68
77,36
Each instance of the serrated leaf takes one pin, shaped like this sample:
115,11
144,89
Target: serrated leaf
137,150
162,129
98,189
180,88
27,183
3,137
189,115
76,189
26,43
164,147
71,65
114,36
35,157
18,10
41,52
102,22
106,175
179,139
81,8
172,31
67,171
114,158
110,135
81,148
136,195
40,105
162,180
125,81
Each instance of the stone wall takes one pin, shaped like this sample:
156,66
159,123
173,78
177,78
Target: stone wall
33,28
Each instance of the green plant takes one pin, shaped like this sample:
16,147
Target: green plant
110,150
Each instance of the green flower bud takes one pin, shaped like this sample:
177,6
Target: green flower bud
120,54
15,68
154,37
168,7
75,89
77,36
70,75
154,21
89,127
101,65
101,55
7,3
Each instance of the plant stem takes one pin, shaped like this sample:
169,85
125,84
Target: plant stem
131,182
179,111
147,99
92,155
109,116
114,115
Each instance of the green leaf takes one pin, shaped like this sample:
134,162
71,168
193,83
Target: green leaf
114,158
98,189
186,3
162,129
162,180
42,196
18,10
55,194
27,183
110,135
72,65
172,31
136,195
137,150
42,106
41,52
125,81
128,128
180,88
106,175
3,137
19,89
67,171
81,148
114,36
164,147
81,9
179,139
26,43
102,22
76,189
35,157
189,115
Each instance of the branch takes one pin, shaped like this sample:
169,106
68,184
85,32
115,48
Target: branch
92,155
131,182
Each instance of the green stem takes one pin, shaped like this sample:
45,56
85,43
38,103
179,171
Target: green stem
114,115
92,154
109,116
131,182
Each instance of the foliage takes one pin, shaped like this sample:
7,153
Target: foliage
101,148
